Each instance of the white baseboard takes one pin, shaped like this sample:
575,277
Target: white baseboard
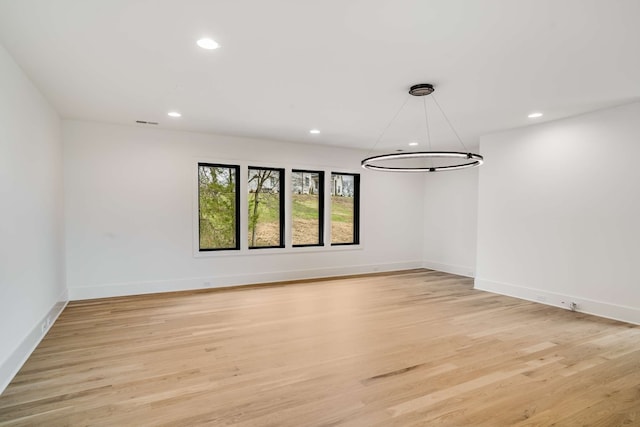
10,367
584,305
157,286
449,268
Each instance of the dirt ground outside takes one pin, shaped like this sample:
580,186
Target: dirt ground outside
304,233
341,232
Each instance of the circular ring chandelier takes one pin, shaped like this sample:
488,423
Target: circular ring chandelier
461,160
471,161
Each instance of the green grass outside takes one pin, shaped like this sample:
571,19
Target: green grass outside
303,206
268,207
341,209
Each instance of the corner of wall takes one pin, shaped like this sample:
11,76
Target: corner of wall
10,367
460,270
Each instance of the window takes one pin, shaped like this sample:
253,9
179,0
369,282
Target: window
218,207
345,209
266,208
307,208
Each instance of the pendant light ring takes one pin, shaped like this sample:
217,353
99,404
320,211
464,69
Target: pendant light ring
472,160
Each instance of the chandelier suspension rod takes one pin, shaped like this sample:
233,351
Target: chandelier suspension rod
426,120
449,123
389,125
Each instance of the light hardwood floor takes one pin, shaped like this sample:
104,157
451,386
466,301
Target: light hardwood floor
406,349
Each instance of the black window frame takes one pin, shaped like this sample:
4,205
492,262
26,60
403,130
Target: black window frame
321,211
281,189
237,207
356,208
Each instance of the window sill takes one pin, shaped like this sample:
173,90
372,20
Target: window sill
273,251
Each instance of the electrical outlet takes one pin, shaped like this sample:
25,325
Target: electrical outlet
43,327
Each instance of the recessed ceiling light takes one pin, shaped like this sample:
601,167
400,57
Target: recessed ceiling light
174,114
534,115
413,144
314,131
208,44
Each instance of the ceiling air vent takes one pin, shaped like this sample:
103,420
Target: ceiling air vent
144,122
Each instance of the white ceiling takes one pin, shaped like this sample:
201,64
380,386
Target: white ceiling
342,66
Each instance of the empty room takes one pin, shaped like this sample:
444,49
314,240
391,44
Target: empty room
319,213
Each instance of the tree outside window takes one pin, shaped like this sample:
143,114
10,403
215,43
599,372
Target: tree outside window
266,208
218,206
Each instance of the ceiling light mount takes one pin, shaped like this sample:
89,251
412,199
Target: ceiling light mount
421,89
423,161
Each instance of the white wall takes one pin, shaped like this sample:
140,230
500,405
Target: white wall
31,234
559,205
450,221
129,211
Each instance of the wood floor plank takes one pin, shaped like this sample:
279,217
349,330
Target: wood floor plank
412,348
